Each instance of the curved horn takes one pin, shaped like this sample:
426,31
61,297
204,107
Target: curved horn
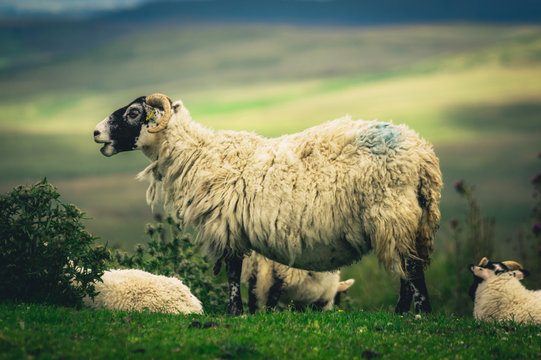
165,103
512,265
483,261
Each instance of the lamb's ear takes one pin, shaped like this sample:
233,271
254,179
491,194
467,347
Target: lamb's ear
344,285
520,274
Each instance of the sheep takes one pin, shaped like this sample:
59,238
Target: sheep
137,290
315,200
497,267
501,296
270,283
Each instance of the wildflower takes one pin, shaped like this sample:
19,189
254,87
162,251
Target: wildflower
536,228
460,187
418,317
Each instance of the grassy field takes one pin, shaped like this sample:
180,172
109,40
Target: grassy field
31,331
472,90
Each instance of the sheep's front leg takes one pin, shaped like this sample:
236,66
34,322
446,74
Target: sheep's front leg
233,268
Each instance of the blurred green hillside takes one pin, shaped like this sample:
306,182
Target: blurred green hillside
474,91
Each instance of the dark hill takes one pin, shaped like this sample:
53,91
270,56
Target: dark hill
336,12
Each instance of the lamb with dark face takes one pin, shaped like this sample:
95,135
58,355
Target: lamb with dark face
501,297
496,267
131,127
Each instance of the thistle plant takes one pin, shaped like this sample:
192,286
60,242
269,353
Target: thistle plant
171,251
473,239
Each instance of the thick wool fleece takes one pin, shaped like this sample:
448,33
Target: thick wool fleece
139,290
503,297
315,200
299,286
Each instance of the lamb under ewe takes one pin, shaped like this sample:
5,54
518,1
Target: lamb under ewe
270,283
316,200
501,296
137,290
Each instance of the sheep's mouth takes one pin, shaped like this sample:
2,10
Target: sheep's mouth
108,148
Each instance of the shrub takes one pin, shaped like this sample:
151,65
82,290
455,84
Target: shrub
171,252
46,255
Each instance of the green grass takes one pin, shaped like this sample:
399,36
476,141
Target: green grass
35,331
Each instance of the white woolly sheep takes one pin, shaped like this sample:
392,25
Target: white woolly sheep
316,200
501,296
270,283
137,290
497,267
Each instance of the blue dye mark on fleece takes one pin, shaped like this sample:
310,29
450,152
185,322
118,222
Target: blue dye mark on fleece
380,138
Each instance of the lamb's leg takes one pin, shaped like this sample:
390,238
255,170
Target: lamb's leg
275,291
252,298
405,297
233,268
416,278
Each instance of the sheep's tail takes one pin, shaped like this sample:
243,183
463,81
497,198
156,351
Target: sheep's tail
428,194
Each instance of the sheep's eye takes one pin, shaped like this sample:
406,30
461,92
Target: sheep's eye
133,113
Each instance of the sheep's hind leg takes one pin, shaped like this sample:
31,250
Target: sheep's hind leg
233,268
413,288
416,278
405,297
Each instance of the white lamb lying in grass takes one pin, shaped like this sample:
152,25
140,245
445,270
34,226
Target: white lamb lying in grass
139,290
270,283
501,296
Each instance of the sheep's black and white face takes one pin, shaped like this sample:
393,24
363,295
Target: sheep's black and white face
126,128
487,273
482,272
490,269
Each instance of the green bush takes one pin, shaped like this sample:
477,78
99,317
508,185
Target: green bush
171,252
46,255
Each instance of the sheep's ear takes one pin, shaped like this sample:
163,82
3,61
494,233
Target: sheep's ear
520,274
344,285
484,261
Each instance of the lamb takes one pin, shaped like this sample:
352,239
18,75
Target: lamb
137,290
501,296
315,200
497,267
270,283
